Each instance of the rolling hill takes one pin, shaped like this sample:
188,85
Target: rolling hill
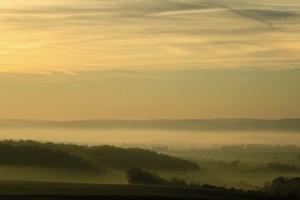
289,125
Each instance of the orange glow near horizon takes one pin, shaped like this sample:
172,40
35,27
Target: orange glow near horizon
89,59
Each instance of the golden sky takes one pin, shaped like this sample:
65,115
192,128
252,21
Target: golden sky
149,59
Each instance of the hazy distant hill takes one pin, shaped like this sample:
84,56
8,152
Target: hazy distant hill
173,125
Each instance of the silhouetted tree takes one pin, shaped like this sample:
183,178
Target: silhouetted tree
138,176
284,186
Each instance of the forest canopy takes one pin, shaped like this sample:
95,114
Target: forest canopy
99,158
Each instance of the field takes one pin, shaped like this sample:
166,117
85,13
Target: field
21,190
242,166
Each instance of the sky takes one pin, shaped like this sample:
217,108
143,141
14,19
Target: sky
149,59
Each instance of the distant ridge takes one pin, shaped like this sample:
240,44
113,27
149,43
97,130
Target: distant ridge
291,125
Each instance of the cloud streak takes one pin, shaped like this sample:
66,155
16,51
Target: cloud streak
85,35
244,14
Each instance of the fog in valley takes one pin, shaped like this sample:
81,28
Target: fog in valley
245,159
148,138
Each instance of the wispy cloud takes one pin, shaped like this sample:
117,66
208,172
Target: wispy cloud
81,35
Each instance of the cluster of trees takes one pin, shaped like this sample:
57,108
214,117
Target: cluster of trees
284,186
139,176
134,157
34,156
81,156
260,167
225,164
276,166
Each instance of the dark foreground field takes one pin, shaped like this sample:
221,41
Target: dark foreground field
21,190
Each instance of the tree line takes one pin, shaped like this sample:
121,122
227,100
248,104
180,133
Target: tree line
34,156
86,157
